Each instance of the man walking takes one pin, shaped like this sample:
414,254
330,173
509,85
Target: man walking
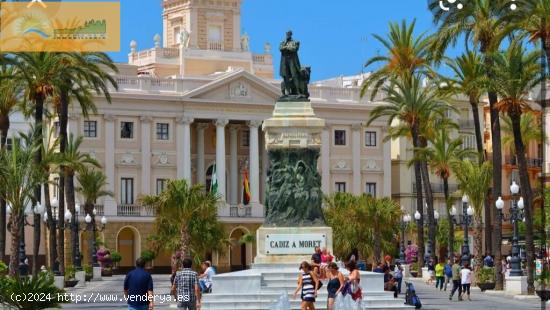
457,285
138,288
186,287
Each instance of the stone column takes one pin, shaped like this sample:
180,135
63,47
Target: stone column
110,204
183,146
325,160
233,164
146,154
201,175
254,162
386,154
265,167
220,156
356,152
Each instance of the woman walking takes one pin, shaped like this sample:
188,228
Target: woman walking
354,279
439,275
335,284
466,280
308,283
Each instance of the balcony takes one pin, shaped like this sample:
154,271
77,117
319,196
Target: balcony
155,55
466,124
215,45
240,211
135,210
531,162
99,210
438,187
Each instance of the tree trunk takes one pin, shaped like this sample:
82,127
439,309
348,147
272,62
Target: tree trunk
69,188
448,206
515,117
430,203
90,231
4,127
61,222
478,244
477,127
15,225
377,248
52,238
185,241
419,201
38,116
63,115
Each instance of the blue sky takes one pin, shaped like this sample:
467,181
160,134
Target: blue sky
335,35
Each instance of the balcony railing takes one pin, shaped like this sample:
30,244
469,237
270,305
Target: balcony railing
215,45
438,187
531,162
99,210
240,211
466,123
135,210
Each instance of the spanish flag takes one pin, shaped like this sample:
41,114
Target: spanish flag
246,188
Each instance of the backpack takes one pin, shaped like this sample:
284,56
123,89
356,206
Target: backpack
410,296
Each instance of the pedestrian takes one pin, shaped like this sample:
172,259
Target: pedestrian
398,275
457,285
205,279
336,283
378,268
466,279
504,271
308,283
439,275
390,284
138,288
354,280
488,261
387,263
448,271
186,287
431,271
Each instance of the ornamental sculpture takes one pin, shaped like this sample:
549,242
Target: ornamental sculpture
295,77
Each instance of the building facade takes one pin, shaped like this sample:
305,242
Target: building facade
200,100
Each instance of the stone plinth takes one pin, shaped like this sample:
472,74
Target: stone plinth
277,245
516,285
81,277
96,273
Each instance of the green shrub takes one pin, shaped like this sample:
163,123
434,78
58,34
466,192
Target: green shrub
116,257
486,275
88,269
148,256
41,285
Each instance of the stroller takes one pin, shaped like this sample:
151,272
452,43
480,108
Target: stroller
410,296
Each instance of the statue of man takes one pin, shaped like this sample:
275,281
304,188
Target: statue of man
290,65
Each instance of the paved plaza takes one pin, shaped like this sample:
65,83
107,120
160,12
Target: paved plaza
431,298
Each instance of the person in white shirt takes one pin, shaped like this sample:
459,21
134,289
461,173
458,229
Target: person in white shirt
205,279
466,280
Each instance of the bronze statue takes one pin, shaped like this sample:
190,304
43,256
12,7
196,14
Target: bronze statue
295,77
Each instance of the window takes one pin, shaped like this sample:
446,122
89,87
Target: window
370,189
90,129
339,137
127,130
370,138
468,142
162,131
127,191
214,33
55,193
177,35
245,138
161,185
340,187
56,128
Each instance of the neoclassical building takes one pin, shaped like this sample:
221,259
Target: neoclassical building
198,98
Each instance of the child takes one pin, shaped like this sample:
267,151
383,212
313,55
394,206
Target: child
466,279
439,275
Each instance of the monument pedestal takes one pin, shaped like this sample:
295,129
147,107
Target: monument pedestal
516,285
276,245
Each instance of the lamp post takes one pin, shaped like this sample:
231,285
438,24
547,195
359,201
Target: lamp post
516,214
428,254
74,225
467,212
91,220
404,222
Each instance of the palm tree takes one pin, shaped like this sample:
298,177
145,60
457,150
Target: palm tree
529,127
388,215
186,219
480,23
517,72
407,55
10,93
474,181
19,176
91,182
73,160
410,103
441,154
469,80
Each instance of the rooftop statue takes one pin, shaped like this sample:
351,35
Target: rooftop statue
295,77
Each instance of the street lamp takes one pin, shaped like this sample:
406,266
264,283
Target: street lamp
516,215
467,212
37,209
90,220
428,253
404,222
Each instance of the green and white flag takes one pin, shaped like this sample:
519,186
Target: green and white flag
214,181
